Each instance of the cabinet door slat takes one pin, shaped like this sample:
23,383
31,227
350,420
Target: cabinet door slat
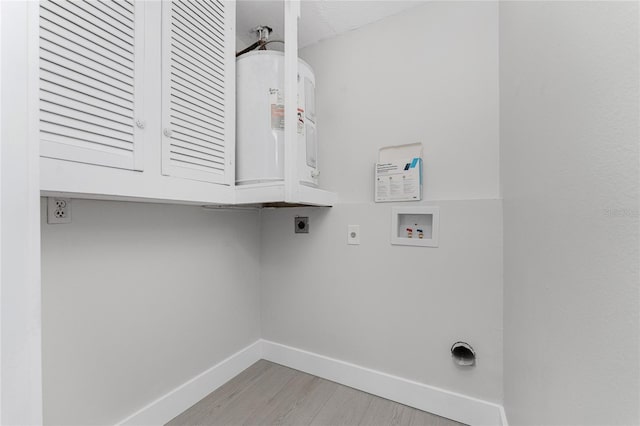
107,8
210,58
90,73
75,81
52,89
203,166
61,13
197,122
108,24
99,122
115,8
207,117
196,152
212,138
197,78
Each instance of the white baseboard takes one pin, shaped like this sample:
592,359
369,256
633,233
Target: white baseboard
184,396
503,417
438,401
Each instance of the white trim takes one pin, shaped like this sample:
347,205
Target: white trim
438,401
139,78
184,396
503,417
291,15
1,199
20,340
165,90
230,92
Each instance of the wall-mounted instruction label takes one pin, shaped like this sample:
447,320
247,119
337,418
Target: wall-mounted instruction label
276,100
399,180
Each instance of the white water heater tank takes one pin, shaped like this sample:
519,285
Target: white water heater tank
260,120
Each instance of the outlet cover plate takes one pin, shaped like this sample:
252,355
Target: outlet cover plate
301,224
353,235
58,210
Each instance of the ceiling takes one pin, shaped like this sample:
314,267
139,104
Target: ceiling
319,19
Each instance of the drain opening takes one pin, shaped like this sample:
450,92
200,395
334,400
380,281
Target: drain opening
463,354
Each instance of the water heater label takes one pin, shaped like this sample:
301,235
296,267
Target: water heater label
276,100
276,103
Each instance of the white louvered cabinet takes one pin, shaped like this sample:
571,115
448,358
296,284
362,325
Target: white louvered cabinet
137,99
90,82
198,91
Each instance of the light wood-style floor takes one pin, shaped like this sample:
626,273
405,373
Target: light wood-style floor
270,394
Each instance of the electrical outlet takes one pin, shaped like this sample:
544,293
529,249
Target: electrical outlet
353,234
58,210
301,224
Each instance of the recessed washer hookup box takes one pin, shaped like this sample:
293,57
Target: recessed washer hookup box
398,173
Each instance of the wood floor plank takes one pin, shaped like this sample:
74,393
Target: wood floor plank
347,406
422,418
403,415
312,398
383,412
258,397
271,394
221,397
287,397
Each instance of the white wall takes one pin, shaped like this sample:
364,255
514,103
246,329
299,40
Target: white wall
139,298
427,75
569,137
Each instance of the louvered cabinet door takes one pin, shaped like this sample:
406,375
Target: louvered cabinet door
90,77
198,90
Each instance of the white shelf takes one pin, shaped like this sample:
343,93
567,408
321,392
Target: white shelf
274,193
316,197
105,183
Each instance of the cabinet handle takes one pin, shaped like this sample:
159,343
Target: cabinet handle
140,124
167,133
